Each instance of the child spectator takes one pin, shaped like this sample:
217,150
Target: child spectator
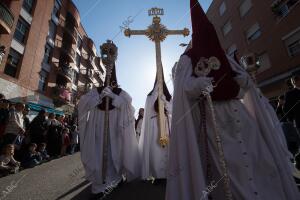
74,139
65,141
8,165
32,157
43,152
297,170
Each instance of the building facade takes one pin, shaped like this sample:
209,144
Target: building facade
269,29
48,58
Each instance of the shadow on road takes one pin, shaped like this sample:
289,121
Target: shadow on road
136,190
85,192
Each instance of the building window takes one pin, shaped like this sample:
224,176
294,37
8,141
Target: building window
292,44
52,30
13,63
79,42
21,31
226,28
253,33
222,8
77,60
43,80
231,50
75,78
47,55
245,7
73,96
28,5
56,8
263,61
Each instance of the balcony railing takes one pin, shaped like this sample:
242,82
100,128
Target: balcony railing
61,95
69,52
281,8
67,72
7,17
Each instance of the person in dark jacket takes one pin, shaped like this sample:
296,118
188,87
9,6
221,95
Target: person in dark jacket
292,102
54,136
38,128
291,109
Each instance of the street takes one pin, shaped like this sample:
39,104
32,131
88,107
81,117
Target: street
63,179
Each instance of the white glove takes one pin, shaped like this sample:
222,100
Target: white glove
108,93
204,84
195,86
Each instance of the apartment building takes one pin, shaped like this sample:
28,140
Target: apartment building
269,29
47,58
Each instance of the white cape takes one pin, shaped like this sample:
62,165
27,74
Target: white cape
256,158
123,143
154,158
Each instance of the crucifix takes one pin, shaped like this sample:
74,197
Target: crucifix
157,33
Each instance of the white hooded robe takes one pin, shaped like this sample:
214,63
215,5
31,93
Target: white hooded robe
123,155
154,158
256,160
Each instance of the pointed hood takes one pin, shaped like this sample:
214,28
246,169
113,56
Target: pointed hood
165,88
205,44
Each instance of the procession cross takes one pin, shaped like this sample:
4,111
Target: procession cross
157,33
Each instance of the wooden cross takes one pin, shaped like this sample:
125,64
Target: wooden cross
157,33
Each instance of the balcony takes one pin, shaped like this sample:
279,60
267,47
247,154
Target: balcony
6,19
70,29
61,95
282,8
67,72
90,75
68,53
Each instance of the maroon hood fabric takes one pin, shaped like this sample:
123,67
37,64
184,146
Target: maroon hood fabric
205,43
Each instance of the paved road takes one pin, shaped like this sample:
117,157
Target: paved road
63,179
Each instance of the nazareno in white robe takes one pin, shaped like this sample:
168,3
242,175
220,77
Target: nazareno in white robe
154,158
123,157
257,161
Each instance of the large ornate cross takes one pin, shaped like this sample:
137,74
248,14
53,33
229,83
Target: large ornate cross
157,33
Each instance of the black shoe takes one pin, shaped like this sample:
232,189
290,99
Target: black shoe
159,182
121,183
96,196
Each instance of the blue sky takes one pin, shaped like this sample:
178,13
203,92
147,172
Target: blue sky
136,61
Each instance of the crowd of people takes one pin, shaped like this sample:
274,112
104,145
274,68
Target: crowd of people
26,143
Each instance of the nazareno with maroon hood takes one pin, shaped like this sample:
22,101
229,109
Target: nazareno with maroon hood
257,162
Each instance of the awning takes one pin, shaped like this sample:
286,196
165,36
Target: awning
38,107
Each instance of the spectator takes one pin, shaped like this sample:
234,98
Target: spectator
26,118
54,136
65,141
43,152
74,139
4,115
38,128
138,123
297,170
279,110
15,125
292,102
32,157
2,96
292,109
8,164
